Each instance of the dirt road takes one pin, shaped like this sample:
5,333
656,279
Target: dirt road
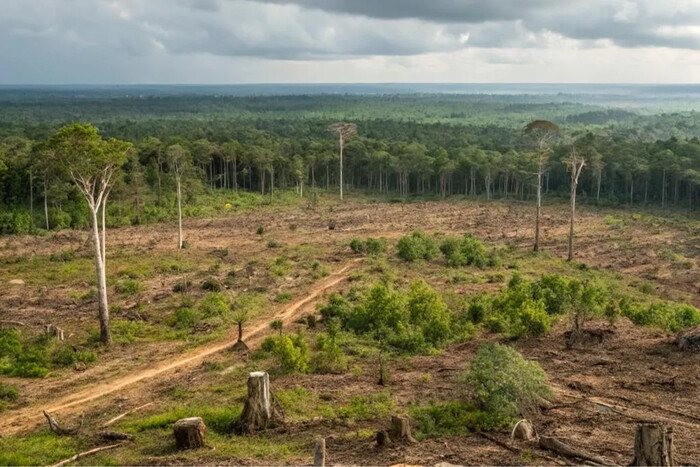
29,416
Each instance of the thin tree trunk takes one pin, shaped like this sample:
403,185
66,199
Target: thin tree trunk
539,206
46,204
105,336
663,189
341,167
180,240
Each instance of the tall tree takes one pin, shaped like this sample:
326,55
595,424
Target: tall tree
177,163
576,163
344,131
543,132
93,164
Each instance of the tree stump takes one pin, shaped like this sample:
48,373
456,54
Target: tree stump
320,453
383,438
260,410
189,433
524,431
653,445
401,429
53,331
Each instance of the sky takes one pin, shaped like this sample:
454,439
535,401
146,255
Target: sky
346,41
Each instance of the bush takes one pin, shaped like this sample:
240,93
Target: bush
129,287
330,357
212,285
182,286
337,307
62,256
292,354
18,359
451,419
280,267
185,318
59,219
213,304
465,251
283,297
15,223
371,246
8,393
260,230
671,317
504,384
417,246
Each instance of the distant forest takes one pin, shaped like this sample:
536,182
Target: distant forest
646,150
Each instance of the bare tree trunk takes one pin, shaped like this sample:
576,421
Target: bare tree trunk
600,176
663,189
31,196
341,166
105,336
539,207
46,204
180,240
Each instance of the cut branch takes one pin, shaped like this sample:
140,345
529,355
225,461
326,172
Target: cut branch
86,453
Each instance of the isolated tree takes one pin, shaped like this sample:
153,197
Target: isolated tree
344,131
576,163
277,325
177,162
93,164
543,132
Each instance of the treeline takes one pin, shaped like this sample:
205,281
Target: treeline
388,158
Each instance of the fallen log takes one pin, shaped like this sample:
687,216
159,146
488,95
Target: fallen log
86,453
516,450
128,412
550,443
56,427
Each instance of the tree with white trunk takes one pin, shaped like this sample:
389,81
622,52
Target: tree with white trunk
93,163
543,132
575,163
177,163
344,131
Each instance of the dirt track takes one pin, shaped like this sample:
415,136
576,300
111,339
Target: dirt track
28,417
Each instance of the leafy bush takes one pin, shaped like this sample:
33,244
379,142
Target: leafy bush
283,297
18,359
292,354
336,307
15,223
417,246
329,357
213,304
62,256
280,267
370,246
128,287
503,383
260,230
185,318
465,251
212,285
451,419
671,317
8,393
67,355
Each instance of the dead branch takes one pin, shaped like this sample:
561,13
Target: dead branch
553,444
86,453
128,412
56,427
11,322
115,436
516,450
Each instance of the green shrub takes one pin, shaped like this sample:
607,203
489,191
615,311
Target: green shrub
58,219
336,307
18,359
671,317
182,286
62,256
128,287
214,304
465,251
368,407
212,285
66,355
8,393
292,354
283,297
329,357
370,246
185,318
503,383
272,244
416,246
451,419
280,267
260,230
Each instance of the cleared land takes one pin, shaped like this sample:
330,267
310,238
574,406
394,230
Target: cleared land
602,389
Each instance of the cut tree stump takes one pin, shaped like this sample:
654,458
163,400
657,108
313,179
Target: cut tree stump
653,445
320,453
524,431
401,429
382,438
189,433
53,331
261,410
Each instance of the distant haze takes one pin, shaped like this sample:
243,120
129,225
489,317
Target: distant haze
349,41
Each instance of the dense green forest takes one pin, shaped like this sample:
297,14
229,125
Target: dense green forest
406,146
